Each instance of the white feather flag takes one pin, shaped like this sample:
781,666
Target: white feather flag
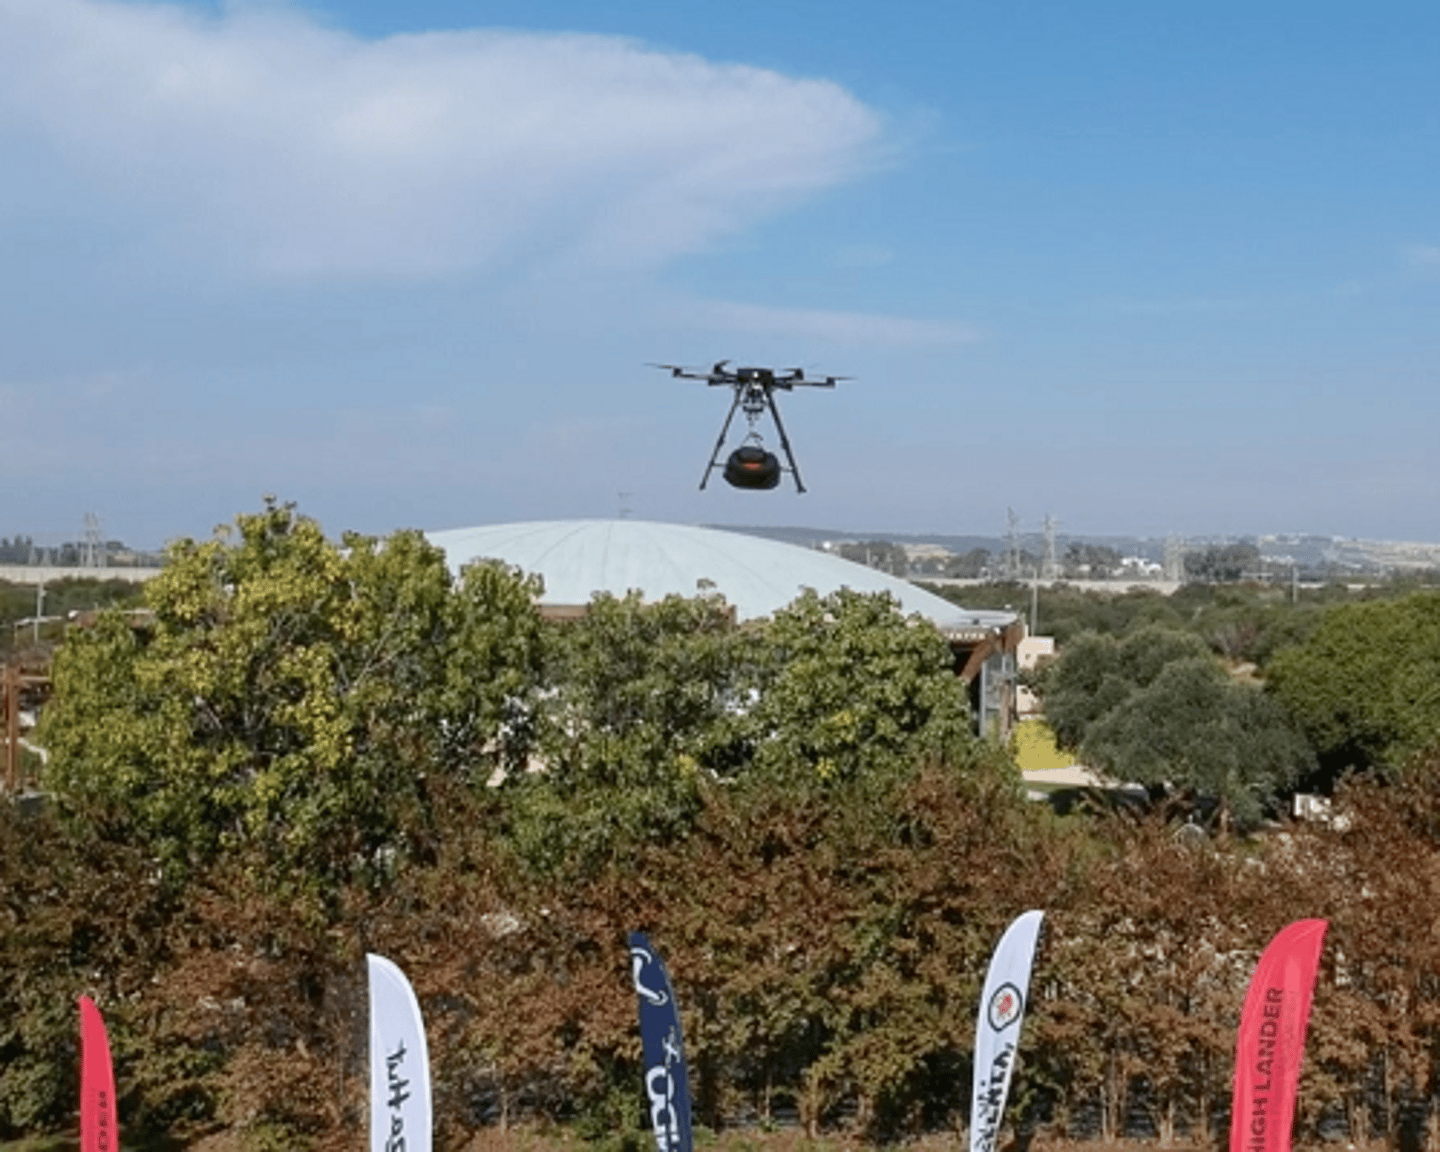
997,1030
400,1118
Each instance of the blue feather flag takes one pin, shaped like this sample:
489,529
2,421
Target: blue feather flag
667,1080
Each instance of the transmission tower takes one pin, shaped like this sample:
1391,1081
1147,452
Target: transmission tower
92,549
1051,568
1174,558
1012,546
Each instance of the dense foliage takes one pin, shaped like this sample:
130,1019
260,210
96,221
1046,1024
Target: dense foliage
1300,689
827,958
308,752
1156,708
288,694
1249,622
1196,729
1366,687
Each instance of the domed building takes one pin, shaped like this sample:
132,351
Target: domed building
578,558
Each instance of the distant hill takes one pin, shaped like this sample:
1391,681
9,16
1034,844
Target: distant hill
1332,556
817,537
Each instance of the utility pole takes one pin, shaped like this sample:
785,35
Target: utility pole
12,727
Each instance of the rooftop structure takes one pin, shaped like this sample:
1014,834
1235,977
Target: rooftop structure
578,558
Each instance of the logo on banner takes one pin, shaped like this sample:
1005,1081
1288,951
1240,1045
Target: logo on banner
638,959
104,1114
399,1093
660,1086
1006,1005
992,1099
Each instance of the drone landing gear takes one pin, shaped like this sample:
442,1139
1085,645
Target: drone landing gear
751,466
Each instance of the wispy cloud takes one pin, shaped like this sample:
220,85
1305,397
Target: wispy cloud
1425,256
855,329
262,142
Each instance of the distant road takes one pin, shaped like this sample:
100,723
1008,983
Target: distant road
1164,587
45,574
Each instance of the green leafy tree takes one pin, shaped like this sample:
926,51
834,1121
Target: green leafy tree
1096,561
1365,687
1196,729
885,555
642,703
291,696
1222,563
1094,673
969,566
652,701
849,686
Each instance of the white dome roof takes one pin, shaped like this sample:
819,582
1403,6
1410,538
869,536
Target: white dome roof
578,558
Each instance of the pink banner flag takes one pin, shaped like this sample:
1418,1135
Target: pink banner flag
1271,1042
99,1131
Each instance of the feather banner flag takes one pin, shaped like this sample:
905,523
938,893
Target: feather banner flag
997,1029
99,1127
400,1116
1271,1041
667,1081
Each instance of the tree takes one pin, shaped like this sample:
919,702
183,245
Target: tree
1365,687
292,697
652,702
1222,563
1094,560
971,565
1094,673
1156,708
849,686
642,699
885,555
1194,728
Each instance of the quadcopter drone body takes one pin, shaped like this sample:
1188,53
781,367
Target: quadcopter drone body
751,465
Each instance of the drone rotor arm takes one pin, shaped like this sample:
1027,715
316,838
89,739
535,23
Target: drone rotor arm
681,372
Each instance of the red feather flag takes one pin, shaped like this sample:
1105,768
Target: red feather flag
99,1131
1271,1042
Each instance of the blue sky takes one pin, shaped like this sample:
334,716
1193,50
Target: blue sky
1142,268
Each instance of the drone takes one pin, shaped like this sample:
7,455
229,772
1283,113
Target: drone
751,465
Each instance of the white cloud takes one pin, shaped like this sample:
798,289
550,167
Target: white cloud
260,141
855,329
1423,255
